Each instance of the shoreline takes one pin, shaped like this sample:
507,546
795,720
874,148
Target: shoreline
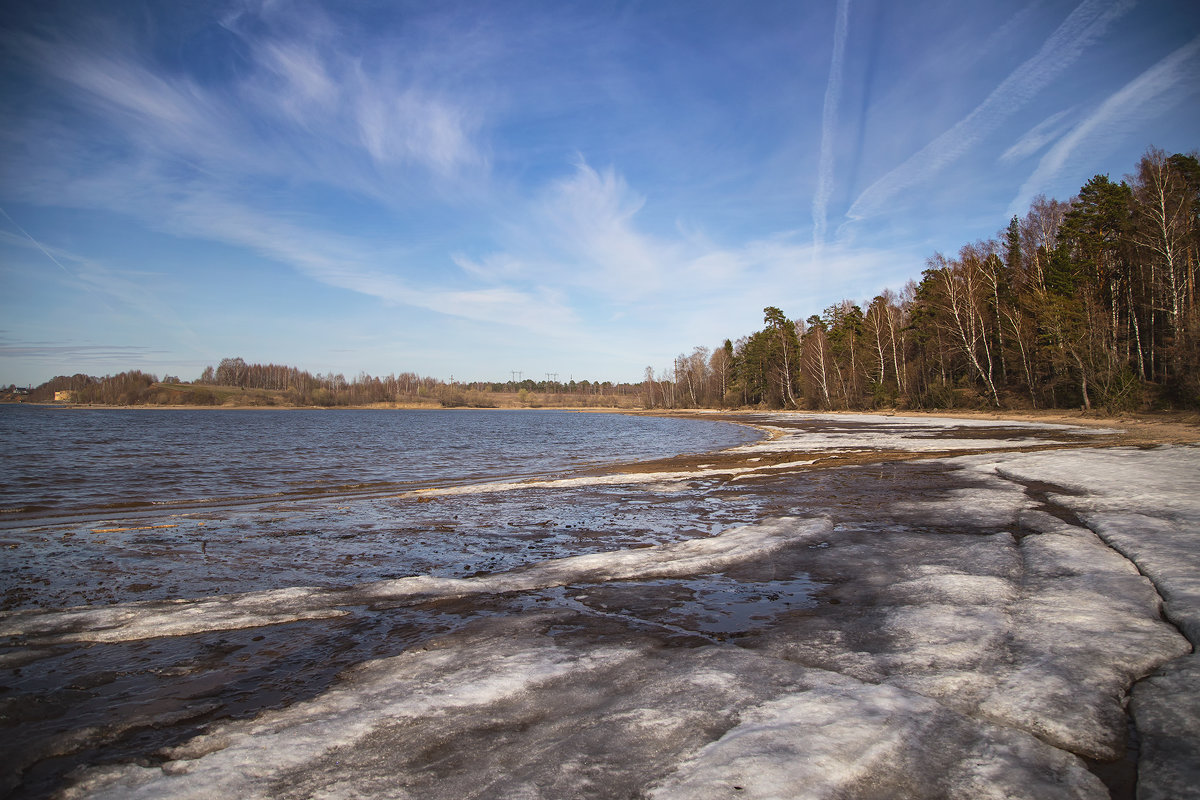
1138,429
953,568
1115,432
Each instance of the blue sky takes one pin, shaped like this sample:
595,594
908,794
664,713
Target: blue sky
468,189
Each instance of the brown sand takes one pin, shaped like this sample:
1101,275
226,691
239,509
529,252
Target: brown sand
1179,428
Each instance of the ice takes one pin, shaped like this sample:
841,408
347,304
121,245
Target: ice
667,481
553,720
809,433
990,502
859,432
1040,627
131,621
248,759
1146,505
677,559
844,738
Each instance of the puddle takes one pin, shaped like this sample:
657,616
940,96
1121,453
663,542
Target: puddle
711,604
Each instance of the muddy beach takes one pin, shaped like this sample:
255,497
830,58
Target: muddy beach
852,606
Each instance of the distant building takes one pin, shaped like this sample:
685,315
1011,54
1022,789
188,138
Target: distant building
65,396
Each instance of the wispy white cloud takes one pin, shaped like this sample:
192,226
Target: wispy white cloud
587,233
415,128
71,354
833,94
1168,83
304,111
348,263
1086,23
493,268
306,81
216,160
120,292
420,156
589,216
126,104
380,102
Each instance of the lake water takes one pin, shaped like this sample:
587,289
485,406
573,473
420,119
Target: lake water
72,463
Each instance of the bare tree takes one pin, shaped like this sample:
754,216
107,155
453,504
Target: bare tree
963,288
816,357
1164,215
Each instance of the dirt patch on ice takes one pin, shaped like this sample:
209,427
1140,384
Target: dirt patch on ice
1028,432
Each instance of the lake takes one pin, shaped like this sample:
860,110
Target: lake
60,462
101,506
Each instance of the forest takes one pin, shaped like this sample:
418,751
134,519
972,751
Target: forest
1088,303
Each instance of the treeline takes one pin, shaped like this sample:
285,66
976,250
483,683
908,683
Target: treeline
235,382
1086,303
302,388
126,388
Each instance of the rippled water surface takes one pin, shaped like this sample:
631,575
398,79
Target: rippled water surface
65,462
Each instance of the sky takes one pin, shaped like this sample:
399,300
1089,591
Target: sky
468,190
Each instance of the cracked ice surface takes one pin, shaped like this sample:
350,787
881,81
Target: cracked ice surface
945,628
841,737
1146,505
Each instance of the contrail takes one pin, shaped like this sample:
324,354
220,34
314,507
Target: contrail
1084,25
1159,81
833,94
35,241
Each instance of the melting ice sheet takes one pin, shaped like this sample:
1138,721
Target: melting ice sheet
964,627
692,557
859,432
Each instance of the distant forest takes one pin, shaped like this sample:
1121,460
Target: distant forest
1089,303
235,382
